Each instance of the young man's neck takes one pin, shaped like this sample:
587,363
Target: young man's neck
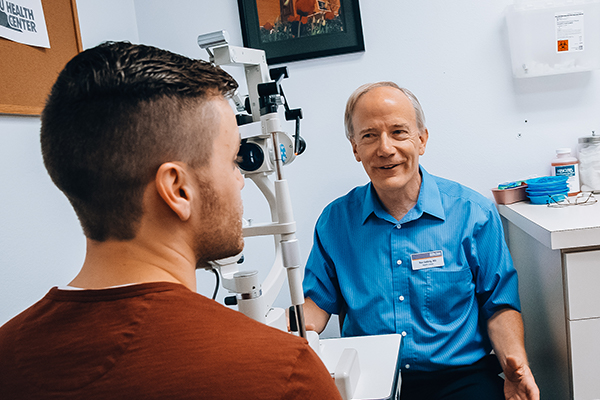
115,263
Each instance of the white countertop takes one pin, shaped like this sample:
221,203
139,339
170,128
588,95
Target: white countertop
557,228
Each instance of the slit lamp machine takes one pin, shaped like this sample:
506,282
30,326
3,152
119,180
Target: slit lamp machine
363,367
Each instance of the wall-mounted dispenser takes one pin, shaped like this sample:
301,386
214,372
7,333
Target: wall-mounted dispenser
553,37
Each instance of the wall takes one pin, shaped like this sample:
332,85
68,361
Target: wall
485,126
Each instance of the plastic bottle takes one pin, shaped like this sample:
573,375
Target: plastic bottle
567,165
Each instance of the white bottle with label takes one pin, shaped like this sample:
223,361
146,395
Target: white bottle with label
567,165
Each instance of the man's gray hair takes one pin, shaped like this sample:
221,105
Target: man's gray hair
367,87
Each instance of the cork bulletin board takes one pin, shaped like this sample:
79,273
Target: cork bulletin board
27,73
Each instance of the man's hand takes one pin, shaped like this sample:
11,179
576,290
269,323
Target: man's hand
315,319
519,383
505,328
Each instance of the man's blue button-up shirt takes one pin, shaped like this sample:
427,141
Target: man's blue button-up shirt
435,277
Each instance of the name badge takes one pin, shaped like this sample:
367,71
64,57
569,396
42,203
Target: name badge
429,259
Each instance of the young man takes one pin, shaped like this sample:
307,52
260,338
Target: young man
143,143
418,255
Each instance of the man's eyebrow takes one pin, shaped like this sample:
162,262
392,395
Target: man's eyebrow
367,129
404,125
401,125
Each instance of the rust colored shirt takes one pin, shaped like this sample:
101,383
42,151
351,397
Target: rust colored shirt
152,341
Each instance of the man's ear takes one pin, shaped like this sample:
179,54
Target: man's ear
173,183
423,137
355,150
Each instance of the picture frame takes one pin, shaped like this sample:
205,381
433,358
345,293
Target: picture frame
301,29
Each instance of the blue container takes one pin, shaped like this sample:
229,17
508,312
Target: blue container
545,199
544,192
546,182
547,189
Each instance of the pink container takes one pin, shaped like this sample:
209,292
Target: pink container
509,196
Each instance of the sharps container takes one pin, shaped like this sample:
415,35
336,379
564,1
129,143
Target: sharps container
566,165
589,163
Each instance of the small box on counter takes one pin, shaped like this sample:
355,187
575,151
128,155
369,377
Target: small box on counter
510,195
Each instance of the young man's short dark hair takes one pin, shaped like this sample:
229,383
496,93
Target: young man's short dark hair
114,115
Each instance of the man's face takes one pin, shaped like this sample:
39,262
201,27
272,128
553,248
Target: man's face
219,231
386,139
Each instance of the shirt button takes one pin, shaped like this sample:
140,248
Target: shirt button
398,226
399,262
407,366
401,298
403,333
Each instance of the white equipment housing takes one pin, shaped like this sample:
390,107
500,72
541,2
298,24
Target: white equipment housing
363,367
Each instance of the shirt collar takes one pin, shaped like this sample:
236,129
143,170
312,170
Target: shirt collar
430,199
429,202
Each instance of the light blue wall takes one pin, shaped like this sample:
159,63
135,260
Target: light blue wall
107,20
485,126
40,240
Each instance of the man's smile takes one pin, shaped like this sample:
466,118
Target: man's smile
389,166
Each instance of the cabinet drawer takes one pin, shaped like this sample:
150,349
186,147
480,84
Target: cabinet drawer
583,284
585,353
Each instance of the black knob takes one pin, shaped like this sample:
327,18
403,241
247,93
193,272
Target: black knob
231,301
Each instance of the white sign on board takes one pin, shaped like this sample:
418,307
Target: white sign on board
23,21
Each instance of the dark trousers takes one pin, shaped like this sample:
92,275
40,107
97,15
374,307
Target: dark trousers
479,381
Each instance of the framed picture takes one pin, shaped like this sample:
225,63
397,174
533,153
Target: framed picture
291,30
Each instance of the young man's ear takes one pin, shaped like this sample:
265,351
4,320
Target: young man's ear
173,183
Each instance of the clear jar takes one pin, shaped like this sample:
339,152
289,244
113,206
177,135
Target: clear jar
589,163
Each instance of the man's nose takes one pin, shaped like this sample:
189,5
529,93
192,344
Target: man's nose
385,148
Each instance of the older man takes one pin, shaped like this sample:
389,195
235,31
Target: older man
418,255
144,144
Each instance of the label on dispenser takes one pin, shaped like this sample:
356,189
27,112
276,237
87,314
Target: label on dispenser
572,172
569,31
565,170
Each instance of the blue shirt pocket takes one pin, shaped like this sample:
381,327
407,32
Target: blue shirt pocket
449,296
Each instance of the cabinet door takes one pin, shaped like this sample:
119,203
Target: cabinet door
585,358
583,284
